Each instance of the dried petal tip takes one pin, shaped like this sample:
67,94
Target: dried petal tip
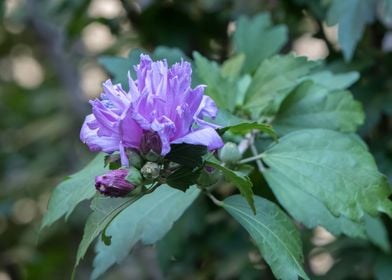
114,183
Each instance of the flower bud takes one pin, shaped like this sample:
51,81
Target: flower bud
150,171
209,176
134,176
151,146
114,183
134,158
230,153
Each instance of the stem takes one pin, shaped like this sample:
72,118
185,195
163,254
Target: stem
214,199
250,159
259,163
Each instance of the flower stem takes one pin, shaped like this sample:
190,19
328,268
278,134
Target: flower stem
214,199
250,159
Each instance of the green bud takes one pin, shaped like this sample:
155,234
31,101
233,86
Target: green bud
209,176
134,176
230,153
150,170
134,159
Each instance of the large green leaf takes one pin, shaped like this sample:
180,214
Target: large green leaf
313,106
333,167
351,17
240,181
309,209
274,234
331,80
72,191
258,39
222,90
273,80
146,220
105,209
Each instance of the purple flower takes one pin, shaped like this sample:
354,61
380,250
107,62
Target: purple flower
114,183
160,105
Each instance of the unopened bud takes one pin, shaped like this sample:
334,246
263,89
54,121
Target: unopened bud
114,183
230,153
150,171
134,176
151,146
134,158
209,176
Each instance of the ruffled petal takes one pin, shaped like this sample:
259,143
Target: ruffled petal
206,136
97,143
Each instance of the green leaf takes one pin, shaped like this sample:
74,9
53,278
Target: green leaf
221,90
334,81
274,234
246,127
240,181
172,55
236,125
118,67
313,106
72,191
333,167
231,68
352,17
105,209
146,220
309,209
377,233
187,154
258,39
183,178
273,80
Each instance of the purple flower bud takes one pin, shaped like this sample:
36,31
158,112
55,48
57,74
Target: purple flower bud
114,183
151,145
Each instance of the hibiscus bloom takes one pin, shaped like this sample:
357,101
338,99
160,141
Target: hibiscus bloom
160,102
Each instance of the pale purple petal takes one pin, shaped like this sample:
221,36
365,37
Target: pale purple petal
206,136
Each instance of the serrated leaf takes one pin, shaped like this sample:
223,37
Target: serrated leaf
273,80
231,68
146,220
118,67
221,90
105,209
333,167
331,80
76,188
274,234
258,39
239,180
351,16
309,210
187,154
313,106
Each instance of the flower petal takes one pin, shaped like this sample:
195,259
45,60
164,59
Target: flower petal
206,136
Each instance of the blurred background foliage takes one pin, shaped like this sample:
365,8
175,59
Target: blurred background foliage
49,69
